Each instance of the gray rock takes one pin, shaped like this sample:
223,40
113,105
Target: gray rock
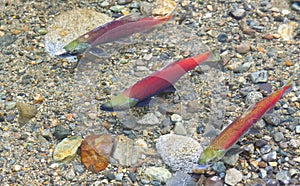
61,132
233,176
270,156
180,129
242,68
298,129
158,173
218,166
123,2
119,176
176,118
272,119
10,105
262,173
180,153
70,175
239,13
253,97
231,160
180,178
265,149
149,119
278,136
283,176
259,77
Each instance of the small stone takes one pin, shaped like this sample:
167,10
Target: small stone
124,2
10,116
259,77
119,176
10,105
95,151
272,119
243,48
26,112
283,176
149,119
70,175
270,156
222,38
132,176
253,97
117,8
180,178
17,168
180,153
262,173
61,132
298,129
231,160
158,173
126,151
278,136
265,149
295,143
42,31
180,129
233,176
218,166
66,150
239,13
176,118
242,68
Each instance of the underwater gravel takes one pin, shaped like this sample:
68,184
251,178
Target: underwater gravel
244,32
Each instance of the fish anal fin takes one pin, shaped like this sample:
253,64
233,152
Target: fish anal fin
170,89
143,103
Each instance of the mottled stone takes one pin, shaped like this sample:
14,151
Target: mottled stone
238,13
180,129
149,119
233,176
243,48
180,153
26,112
283,176
270,156
180,178
66,150
278,136
95,151
259,77
158,173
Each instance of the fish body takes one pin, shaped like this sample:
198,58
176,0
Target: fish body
231,134
156,83
112,31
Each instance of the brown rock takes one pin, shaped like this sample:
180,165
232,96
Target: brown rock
243,48
95,151
26,112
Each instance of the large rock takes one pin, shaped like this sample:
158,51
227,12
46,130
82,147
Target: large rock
180,153
66,150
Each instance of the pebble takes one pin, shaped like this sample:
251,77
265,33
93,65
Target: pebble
10,105
66,150
124,2
119,176
259,77
218,166
180,129
231,160
60,132
239,13
233,176
127,151
222,38
180,178
278,136
262,173
272,119
283,176
132,176
253,97
243,48
95,151
10,116
158,173
269,157
180,153
176,118
26,112
265,149
242,68
298,129
149,119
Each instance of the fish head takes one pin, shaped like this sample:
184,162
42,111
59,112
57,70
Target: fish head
118,103
75,47
209,155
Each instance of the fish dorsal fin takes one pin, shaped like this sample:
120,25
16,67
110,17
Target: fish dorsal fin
131,17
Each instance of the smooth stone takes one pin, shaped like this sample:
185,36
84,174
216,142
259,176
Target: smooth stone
259,77
26,112
298,129
262,173
179,129
10,116
158,173
283,176
278,136
149,119
233,176
119,176
126,151
243,48
222,38
239,13
180,153
66,150
231,160
272,156
123,2
10,105
61,132
242,68
180,178
176,118
272,119
218,166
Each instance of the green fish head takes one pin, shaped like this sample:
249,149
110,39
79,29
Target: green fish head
209,155
76,47
119,102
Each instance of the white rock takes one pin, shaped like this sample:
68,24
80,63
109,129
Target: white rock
158,173
233,176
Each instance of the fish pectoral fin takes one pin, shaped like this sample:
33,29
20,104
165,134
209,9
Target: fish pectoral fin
170,89
97,51
234,150
143,103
